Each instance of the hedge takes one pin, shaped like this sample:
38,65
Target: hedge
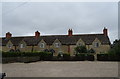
89,57
102,57
107,57
45,55
80,57
26,54
19,54
66,56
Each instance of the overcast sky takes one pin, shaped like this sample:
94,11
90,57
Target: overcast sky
24,18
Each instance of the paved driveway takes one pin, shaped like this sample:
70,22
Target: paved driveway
62,69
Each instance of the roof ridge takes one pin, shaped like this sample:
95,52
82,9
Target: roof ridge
52,35
89,34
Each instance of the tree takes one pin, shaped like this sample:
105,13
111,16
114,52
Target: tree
115,47
91,51
80,49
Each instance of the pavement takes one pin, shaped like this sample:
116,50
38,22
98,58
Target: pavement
61,69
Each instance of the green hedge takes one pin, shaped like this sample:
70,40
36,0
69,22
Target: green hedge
80,57
102,57
25,54
108,57
66,56
45,55
11,54
90,57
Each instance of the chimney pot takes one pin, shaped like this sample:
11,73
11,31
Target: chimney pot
70,32
105,31
37,34
8,35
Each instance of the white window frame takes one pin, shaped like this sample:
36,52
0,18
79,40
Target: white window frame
21,45
96,44
57,45
80,44
42,45
9,45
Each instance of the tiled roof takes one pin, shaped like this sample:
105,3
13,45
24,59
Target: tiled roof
64,39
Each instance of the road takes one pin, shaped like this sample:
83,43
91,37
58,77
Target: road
62,69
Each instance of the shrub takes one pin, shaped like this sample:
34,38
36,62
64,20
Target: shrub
11,50
80,49
91,51
114,52
46,50
52,51
17,50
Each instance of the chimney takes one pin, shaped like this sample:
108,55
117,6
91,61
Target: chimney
37,34
105,31
70,32
8,35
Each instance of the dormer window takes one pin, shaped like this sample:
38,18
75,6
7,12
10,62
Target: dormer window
96,44
80,44
42,45
9,45
22,46
57,45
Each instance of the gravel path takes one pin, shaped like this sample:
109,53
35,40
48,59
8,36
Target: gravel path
62,69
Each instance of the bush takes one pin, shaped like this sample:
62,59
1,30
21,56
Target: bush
81,49
91,51
114,52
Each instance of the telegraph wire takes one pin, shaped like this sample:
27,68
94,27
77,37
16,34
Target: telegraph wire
7,12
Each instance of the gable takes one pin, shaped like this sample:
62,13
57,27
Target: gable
42,41
80,42
96,40
23,42
56,41
9,44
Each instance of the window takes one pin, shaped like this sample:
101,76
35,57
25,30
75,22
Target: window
57,45
9,45
42,45
80,44
21,45
96,44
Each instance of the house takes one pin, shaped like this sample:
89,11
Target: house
58,43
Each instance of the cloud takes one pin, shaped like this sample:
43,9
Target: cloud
57,18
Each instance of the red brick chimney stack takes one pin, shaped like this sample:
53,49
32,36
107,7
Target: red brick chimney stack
37,34
105,31
70,32
8,35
